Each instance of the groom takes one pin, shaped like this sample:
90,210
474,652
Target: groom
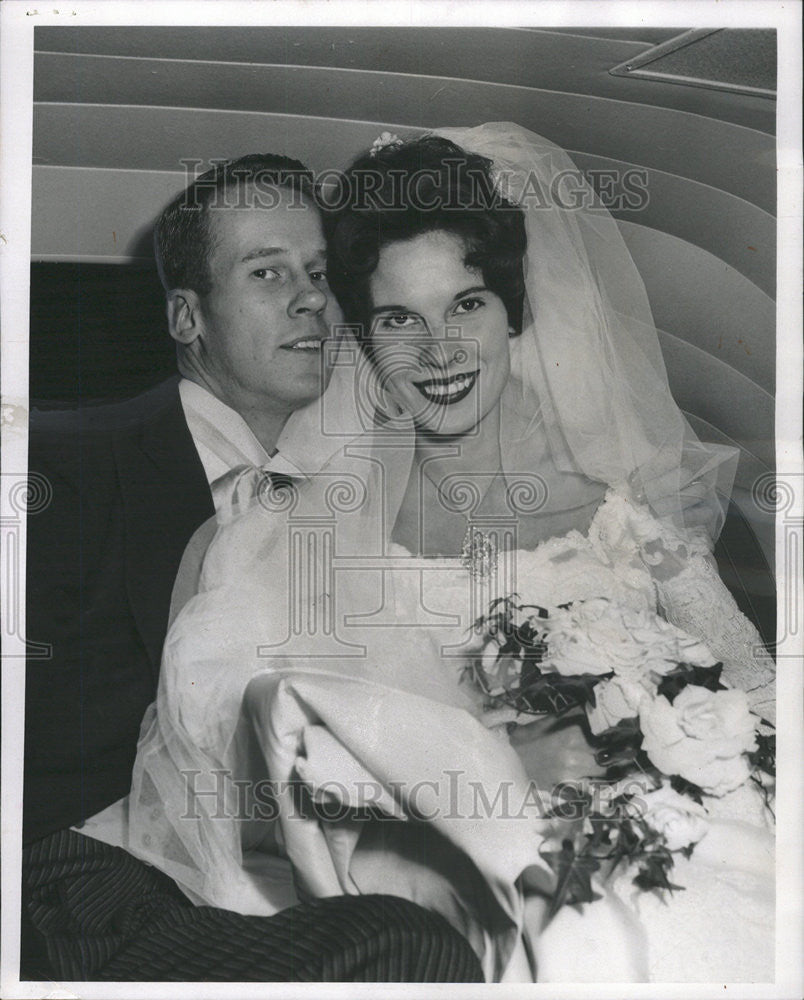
241,256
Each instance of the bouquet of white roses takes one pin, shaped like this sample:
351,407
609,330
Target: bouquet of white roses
651,703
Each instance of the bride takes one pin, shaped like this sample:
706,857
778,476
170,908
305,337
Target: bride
505,427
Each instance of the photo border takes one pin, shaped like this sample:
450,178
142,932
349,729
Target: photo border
18,20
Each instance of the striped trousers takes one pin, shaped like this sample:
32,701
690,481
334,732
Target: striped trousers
94,912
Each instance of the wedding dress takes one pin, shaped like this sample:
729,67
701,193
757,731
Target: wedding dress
393,725
314,733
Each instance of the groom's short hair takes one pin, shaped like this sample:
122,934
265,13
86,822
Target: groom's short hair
183,238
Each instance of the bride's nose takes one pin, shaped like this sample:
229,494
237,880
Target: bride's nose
441,353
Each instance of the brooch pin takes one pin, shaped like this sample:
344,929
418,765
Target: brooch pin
479,552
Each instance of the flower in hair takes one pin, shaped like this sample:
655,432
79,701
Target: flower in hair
504,181
383,140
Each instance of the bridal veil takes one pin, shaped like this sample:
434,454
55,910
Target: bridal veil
587,407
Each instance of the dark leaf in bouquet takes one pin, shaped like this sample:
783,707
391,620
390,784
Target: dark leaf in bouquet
555,694
531,637
574,871
650,837
646,766
620,769
537,610
533,610
580,688
619,745
537,649
690,673
653,872
629,838
687,851
764,757
511,647
626,729
530,671
602,828
627,843
498,624
684,787
544,698
506,602
481,624
494,621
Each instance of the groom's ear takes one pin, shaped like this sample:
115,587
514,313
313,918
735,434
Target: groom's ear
184,315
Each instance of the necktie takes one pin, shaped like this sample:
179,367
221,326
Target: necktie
241,487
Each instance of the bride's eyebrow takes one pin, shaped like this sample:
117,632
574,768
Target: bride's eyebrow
470,291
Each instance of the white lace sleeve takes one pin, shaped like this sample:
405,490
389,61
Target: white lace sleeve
692,596
696,600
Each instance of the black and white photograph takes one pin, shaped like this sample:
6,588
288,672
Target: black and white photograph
402,499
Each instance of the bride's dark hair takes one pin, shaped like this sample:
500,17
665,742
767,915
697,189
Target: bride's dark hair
404,190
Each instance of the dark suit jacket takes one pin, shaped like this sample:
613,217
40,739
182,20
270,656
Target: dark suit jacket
128,492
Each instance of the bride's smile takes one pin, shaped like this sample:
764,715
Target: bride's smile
439,335
451,389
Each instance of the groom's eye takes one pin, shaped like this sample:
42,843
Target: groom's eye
266,273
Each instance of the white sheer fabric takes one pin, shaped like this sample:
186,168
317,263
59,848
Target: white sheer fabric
308,649
588,376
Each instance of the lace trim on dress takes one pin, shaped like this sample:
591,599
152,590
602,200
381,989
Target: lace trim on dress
691,594
696,600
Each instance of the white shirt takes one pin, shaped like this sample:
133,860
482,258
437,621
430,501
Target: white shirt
224,440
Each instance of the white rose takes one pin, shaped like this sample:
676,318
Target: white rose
680,820
703,737
599,637
615,699
663,646
691,650
584,638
